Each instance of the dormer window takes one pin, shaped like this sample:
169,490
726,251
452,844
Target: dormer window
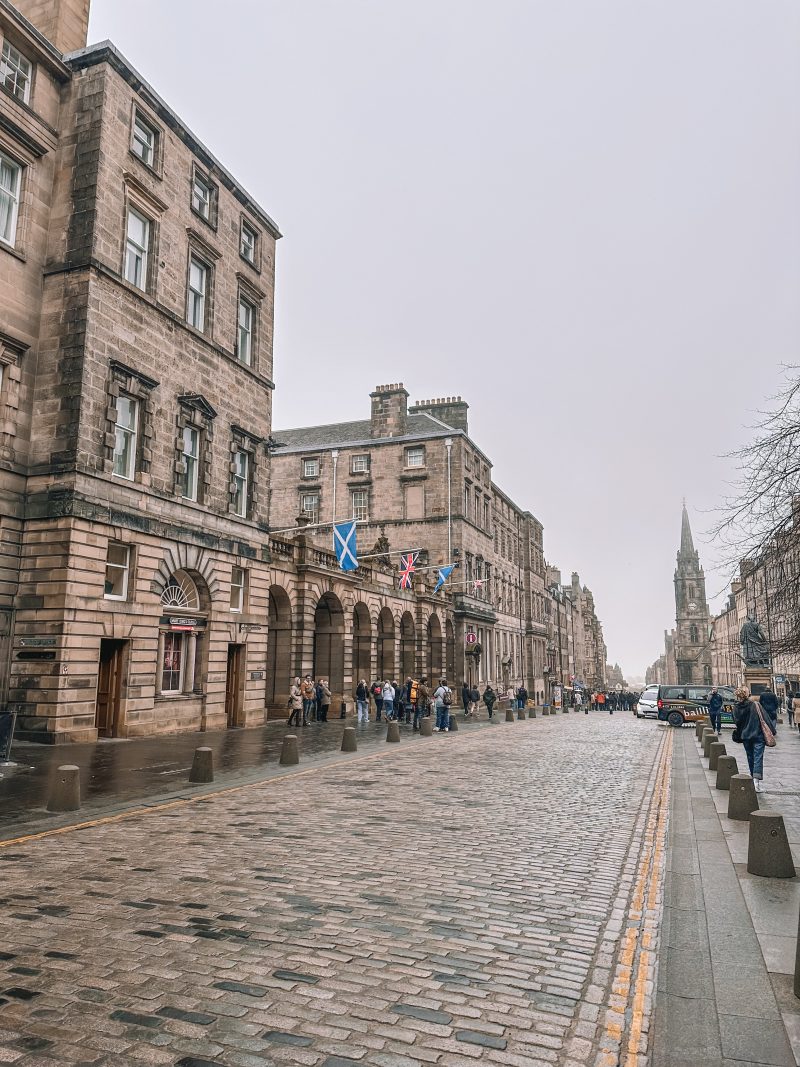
15,73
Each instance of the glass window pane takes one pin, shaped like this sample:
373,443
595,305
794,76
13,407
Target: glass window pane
173,663
9,199
125,438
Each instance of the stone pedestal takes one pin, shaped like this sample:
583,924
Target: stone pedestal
757,679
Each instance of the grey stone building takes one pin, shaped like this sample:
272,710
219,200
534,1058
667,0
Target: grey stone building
692,648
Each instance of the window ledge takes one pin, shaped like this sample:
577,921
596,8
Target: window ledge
12,251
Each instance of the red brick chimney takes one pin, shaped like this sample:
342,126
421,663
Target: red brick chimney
389,411
65,23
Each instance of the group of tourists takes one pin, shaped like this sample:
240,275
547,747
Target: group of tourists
614,700
309,701
417,698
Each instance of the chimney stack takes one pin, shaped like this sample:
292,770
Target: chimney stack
389,416
65,23
451,410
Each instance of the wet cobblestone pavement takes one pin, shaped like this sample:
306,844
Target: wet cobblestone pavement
476,896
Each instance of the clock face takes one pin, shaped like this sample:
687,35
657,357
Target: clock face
692,605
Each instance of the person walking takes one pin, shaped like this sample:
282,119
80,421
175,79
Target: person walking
362,702
377,696
309,691
421,701
522,697
443,699
295,703
601,701
578,700
715,710
324,699
796,705
754,723
466,698
489,698
388,700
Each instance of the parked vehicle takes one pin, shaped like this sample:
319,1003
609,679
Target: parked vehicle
647,704
679,704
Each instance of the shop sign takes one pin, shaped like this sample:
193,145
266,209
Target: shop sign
181,622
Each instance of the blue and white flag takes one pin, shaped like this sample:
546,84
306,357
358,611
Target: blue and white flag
344,545
444,574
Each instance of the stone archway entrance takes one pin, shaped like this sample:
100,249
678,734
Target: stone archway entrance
408,643
435,650
450,641
386,664
329,642
279,652
362,644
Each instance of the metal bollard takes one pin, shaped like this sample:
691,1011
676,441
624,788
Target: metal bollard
349,743
65,789
715,750
202,766
768,852
726,768
393,732
289,756
743,799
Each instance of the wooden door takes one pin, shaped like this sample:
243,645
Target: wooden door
109,688
233,685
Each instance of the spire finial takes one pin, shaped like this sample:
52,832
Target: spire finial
687,544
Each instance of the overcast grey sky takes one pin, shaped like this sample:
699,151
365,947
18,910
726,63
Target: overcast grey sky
582,216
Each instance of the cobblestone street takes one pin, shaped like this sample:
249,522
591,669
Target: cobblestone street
484,895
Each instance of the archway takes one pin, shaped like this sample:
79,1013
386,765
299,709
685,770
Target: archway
182,638
279,652
362,644
407,646
386,666
450,640
329,642
435,650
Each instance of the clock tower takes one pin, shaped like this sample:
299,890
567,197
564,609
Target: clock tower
692,617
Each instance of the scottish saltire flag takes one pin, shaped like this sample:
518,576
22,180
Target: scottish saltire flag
344,545
407,566
444,574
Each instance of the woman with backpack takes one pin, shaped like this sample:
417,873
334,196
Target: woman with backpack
755,728
377,696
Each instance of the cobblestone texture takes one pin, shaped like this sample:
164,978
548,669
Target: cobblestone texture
441,903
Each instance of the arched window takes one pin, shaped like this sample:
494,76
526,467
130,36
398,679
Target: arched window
179,640
180,592
693,634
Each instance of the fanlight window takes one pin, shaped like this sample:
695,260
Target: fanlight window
180,592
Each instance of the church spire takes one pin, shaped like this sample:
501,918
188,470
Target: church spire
687,544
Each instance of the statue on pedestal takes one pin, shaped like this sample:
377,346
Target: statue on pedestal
755,647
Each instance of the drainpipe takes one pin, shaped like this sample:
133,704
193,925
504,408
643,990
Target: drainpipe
334,457
448,444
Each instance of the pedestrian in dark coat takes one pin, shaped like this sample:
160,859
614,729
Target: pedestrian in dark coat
715,709
748,723
489,699
466,697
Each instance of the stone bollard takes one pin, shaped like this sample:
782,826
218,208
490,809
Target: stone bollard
393,732
289,756
65,789
509,715
743,800
715,750
521,713
699,726
545,711
726,768
708,740
768,851
531,713
202,766
426,726
452,724
349,743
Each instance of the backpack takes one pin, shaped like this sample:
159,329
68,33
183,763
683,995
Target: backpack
475,696
377,690
414,693
447,698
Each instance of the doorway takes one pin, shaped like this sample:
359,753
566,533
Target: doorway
233,685
108,710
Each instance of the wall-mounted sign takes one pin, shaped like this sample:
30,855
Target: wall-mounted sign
250,627
182,622
37,642
471,638
256,676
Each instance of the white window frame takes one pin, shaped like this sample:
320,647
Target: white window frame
202,204
182,649
191,461
309,513
12,67
359,464
414,452
248,246
245,331
360,510
128,434
124,567
313,472
238,587
144,147
135,252
241,481
196,299
11,195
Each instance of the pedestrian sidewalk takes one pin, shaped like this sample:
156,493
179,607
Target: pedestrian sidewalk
728,938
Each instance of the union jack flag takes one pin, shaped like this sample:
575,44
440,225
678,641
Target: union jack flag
478,585
407,567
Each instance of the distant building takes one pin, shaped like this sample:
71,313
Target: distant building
692,617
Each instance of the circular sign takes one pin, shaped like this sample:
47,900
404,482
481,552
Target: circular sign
471,638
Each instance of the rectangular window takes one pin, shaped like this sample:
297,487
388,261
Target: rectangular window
136,249
15,73
247,247
238,583
118,562
309,506
361,505
247,314
201,196
198,286
10,175
172,671
359,464
126,433
486,514
241,474
191,461
143,143
311,468
415,501
415,457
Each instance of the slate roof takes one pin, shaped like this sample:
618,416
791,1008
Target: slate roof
346,433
